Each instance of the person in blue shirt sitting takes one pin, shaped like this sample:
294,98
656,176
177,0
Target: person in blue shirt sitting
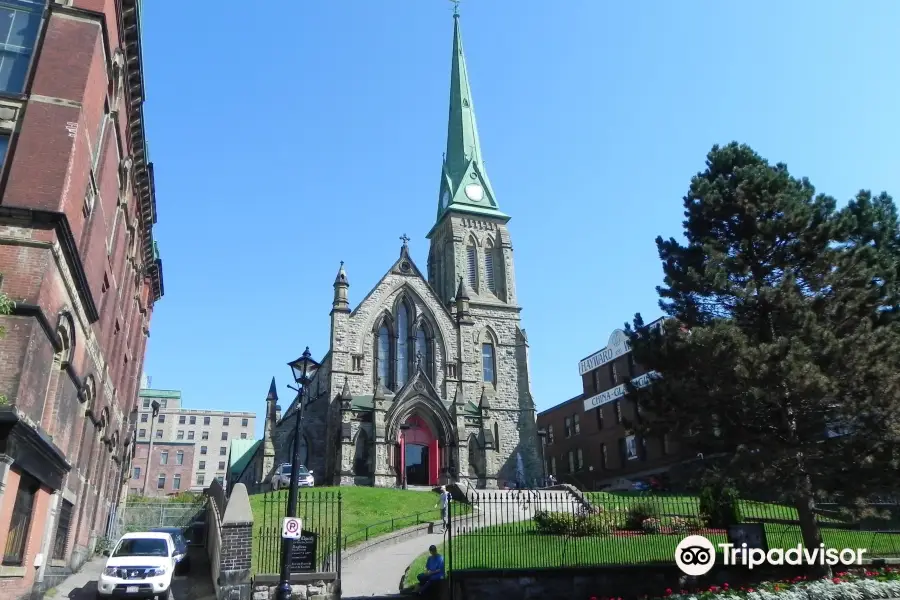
434,570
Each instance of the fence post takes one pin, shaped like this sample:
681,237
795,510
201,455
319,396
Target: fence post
237,547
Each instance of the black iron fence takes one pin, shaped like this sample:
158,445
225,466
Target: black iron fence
319,548
380,528
534,529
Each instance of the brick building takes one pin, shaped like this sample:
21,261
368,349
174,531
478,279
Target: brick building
589,441
208,432
78,258
170,469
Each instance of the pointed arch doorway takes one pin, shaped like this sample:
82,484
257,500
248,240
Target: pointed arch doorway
420,454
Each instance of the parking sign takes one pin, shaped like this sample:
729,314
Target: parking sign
291,528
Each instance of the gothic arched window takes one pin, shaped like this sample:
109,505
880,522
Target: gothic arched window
425,349
383,355
488,363
402,344
490,274
472,266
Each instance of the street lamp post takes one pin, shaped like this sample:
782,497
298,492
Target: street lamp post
542,433
155,411
303,368
403,429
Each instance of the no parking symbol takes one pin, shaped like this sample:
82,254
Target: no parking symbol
291,528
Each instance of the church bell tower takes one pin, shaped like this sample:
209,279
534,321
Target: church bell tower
470,261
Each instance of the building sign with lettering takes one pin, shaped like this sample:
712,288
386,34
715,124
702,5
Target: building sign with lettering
617,346
613,394
303,553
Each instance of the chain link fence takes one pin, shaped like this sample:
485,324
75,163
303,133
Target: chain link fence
142,516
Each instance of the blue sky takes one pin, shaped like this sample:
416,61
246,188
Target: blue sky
288,138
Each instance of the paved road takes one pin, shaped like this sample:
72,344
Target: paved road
379,572
196,585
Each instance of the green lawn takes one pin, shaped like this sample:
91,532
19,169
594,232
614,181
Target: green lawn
520,545
366,513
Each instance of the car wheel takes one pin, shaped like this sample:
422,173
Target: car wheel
186,565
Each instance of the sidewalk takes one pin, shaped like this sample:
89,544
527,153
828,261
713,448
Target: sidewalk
81,585
380,573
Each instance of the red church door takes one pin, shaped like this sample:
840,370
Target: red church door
420,455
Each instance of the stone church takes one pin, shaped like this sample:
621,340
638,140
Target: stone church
427,377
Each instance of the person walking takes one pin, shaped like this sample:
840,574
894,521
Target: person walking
445,507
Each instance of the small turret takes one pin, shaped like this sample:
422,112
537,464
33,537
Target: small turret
341,285
271,419
462,303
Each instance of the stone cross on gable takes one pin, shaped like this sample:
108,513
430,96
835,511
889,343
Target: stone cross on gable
404,238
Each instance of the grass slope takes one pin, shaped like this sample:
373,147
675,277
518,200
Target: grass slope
366,513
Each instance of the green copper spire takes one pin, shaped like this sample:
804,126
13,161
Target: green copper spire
465,186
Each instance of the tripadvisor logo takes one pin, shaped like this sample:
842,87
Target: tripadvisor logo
695,555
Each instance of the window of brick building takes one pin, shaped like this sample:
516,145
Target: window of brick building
61,538
549,434
193,420
162,418
553,465
179,435
182,420
142,433
613,374
618,411
159,433
202,449
599,417
245,422
576,423
179,458
630,447
164,457
220,479
200,478
243,436
144,417
603,458
223,451
163,403
137,473
579,460
571,460
221,465
205,435
161,481
146,403
176,481
206,420
567,427
224,436
226,421
190,435
202,465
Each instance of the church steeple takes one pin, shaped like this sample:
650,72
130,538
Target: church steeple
464,182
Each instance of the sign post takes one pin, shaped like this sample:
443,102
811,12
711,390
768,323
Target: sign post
291,528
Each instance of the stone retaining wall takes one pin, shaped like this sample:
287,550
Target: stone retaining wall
303,587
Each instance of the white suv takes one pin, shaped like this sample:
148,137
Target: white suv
282,477
140,566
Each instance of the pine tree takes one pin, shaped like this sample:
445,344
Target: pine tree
782,347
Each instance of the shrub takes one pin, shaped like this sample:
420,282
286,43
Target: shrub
681,525
651,525
565,524
719,506
637,514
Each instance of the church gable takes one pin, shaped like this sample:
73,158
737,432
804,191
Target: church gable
401,300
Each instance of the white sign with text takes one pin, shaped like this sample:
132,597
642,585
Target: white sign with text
613,394
291,528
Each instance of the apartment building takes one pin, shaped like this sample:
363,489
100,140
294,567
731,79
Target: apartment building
209,432
170,469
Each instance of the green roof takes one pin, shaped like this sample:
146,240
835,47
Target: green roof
241,453
151,393
464,182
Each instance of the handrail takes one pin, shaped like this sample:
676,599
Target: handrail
393,521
